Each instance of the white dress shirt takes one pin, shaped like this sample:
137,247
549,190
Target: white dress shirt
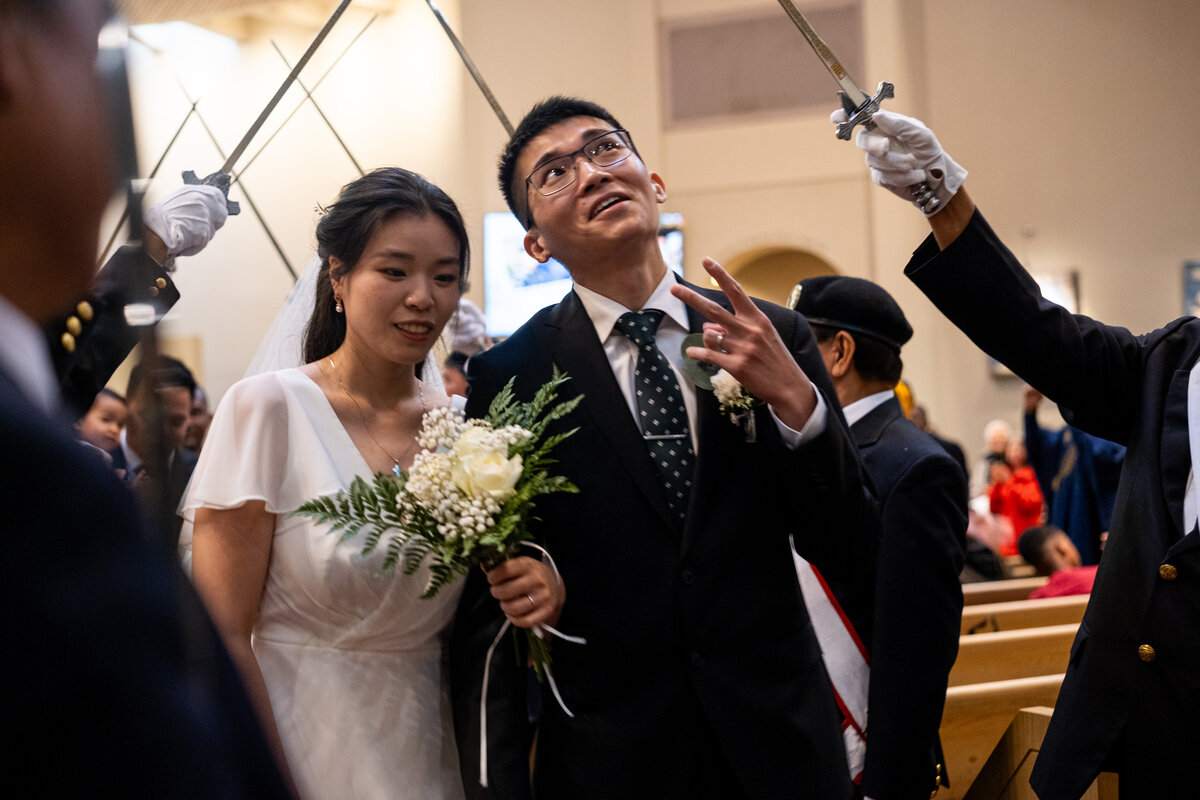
865,405
25,358
622,353
1191,499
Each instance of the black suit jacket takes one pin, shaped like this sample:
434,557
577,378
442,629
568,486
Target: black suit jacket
116,684
1131,696
104,338
914,607
700,651
182,463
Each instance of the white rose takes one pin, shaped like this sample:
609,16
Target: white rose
481,466
726,387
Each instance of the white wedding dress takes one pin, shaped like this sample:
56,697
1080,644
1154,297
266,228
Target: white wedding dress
353,658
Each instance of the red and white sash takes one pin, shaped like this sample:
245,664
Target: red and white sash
846,661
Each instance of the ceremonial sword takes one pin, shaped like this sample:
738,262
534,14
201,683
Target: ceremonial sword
471,68
316,107
222,177
263,147
859,106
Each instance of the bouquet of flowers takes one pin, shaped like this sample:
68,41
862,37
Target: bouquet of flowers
468,496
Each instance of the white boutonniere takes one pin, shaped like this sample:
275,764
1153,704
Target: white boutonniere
736,403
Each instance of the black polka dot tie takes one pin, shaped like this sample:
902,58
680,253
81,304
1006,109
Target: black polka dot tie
661,413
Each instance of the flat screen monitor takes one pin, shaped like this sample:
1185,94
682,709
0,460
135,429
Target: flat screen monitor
516,286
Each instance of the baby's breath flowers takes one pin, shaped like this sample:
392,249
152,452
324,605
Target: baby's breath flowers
468,494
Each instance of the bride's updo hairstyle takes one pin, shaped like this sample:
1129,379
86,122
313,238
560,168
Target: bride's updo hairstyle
350,222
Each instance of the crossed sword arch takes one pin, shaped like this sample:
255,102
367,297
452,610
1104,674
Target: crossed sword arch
194,111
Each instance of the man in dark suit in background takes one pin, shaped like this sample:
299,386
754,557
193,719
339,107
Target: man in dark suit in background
908,615
1079,475
1130,701
173,387
116,684
701,676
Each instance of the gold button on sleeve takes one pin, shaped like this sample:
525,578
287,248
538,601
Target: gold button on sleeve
154,291
1168,572
74,326
161,283
68,342
84,310
1146,653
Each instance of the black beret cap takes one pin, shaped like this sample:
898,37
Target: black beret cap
852,304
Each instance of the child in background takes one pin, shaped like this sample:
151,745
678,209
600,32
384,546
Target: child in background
454,374
101,425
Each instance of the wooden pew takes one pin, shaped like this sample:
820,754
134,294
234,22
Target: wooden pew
1016,567
1021,653
1014,614
1000,591
976,717
1005,774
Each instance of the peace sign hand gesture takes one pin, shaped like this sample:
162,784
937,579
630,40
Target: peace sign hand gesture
744,343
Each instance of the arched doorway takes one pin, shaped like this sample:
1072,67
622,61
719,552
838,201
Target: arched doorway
770,273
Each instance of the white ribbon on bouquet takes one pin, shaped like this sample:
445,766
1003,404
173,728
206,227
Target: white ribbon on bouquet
540,631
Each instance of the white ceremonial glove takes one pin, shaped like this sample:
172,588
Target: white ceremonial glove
902,153
187,219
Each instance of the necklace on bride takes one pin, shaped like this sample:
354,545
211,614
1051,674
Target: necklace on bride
362,416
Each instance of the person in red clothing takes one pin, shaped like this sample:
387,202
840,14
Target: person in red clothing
1053,553
1014,492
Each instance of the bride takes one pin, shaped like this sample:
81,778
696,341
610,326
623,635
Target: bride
345,663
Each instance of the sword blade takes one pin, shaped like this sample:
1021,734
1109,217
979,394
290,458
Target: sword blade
308,94
471,68
263,147
212,137
856,95
227,168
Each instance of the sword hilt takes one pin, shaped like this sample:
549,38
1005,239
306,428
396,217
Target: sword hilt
923,196
220,180
862,114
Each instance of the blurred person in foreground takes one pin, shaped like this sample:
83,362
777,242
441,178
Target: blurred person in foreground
116,682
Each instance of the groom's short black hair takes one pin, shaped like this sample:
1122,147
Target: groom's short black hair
548,112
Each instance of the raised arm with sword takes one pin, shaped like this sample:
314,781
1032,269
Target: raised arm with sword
859,106
224,176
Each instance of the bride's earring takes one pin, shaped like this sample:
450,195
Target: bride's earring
337,304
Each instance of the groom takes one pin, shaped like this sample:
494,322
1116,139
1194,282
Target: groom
701,676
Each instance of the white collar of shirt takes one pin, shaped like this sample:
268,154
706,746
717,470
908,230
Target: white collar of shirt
25,358
622,353
865,405
604,311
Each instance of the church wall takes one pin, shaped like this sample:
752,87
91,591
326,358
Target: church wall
1076,120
